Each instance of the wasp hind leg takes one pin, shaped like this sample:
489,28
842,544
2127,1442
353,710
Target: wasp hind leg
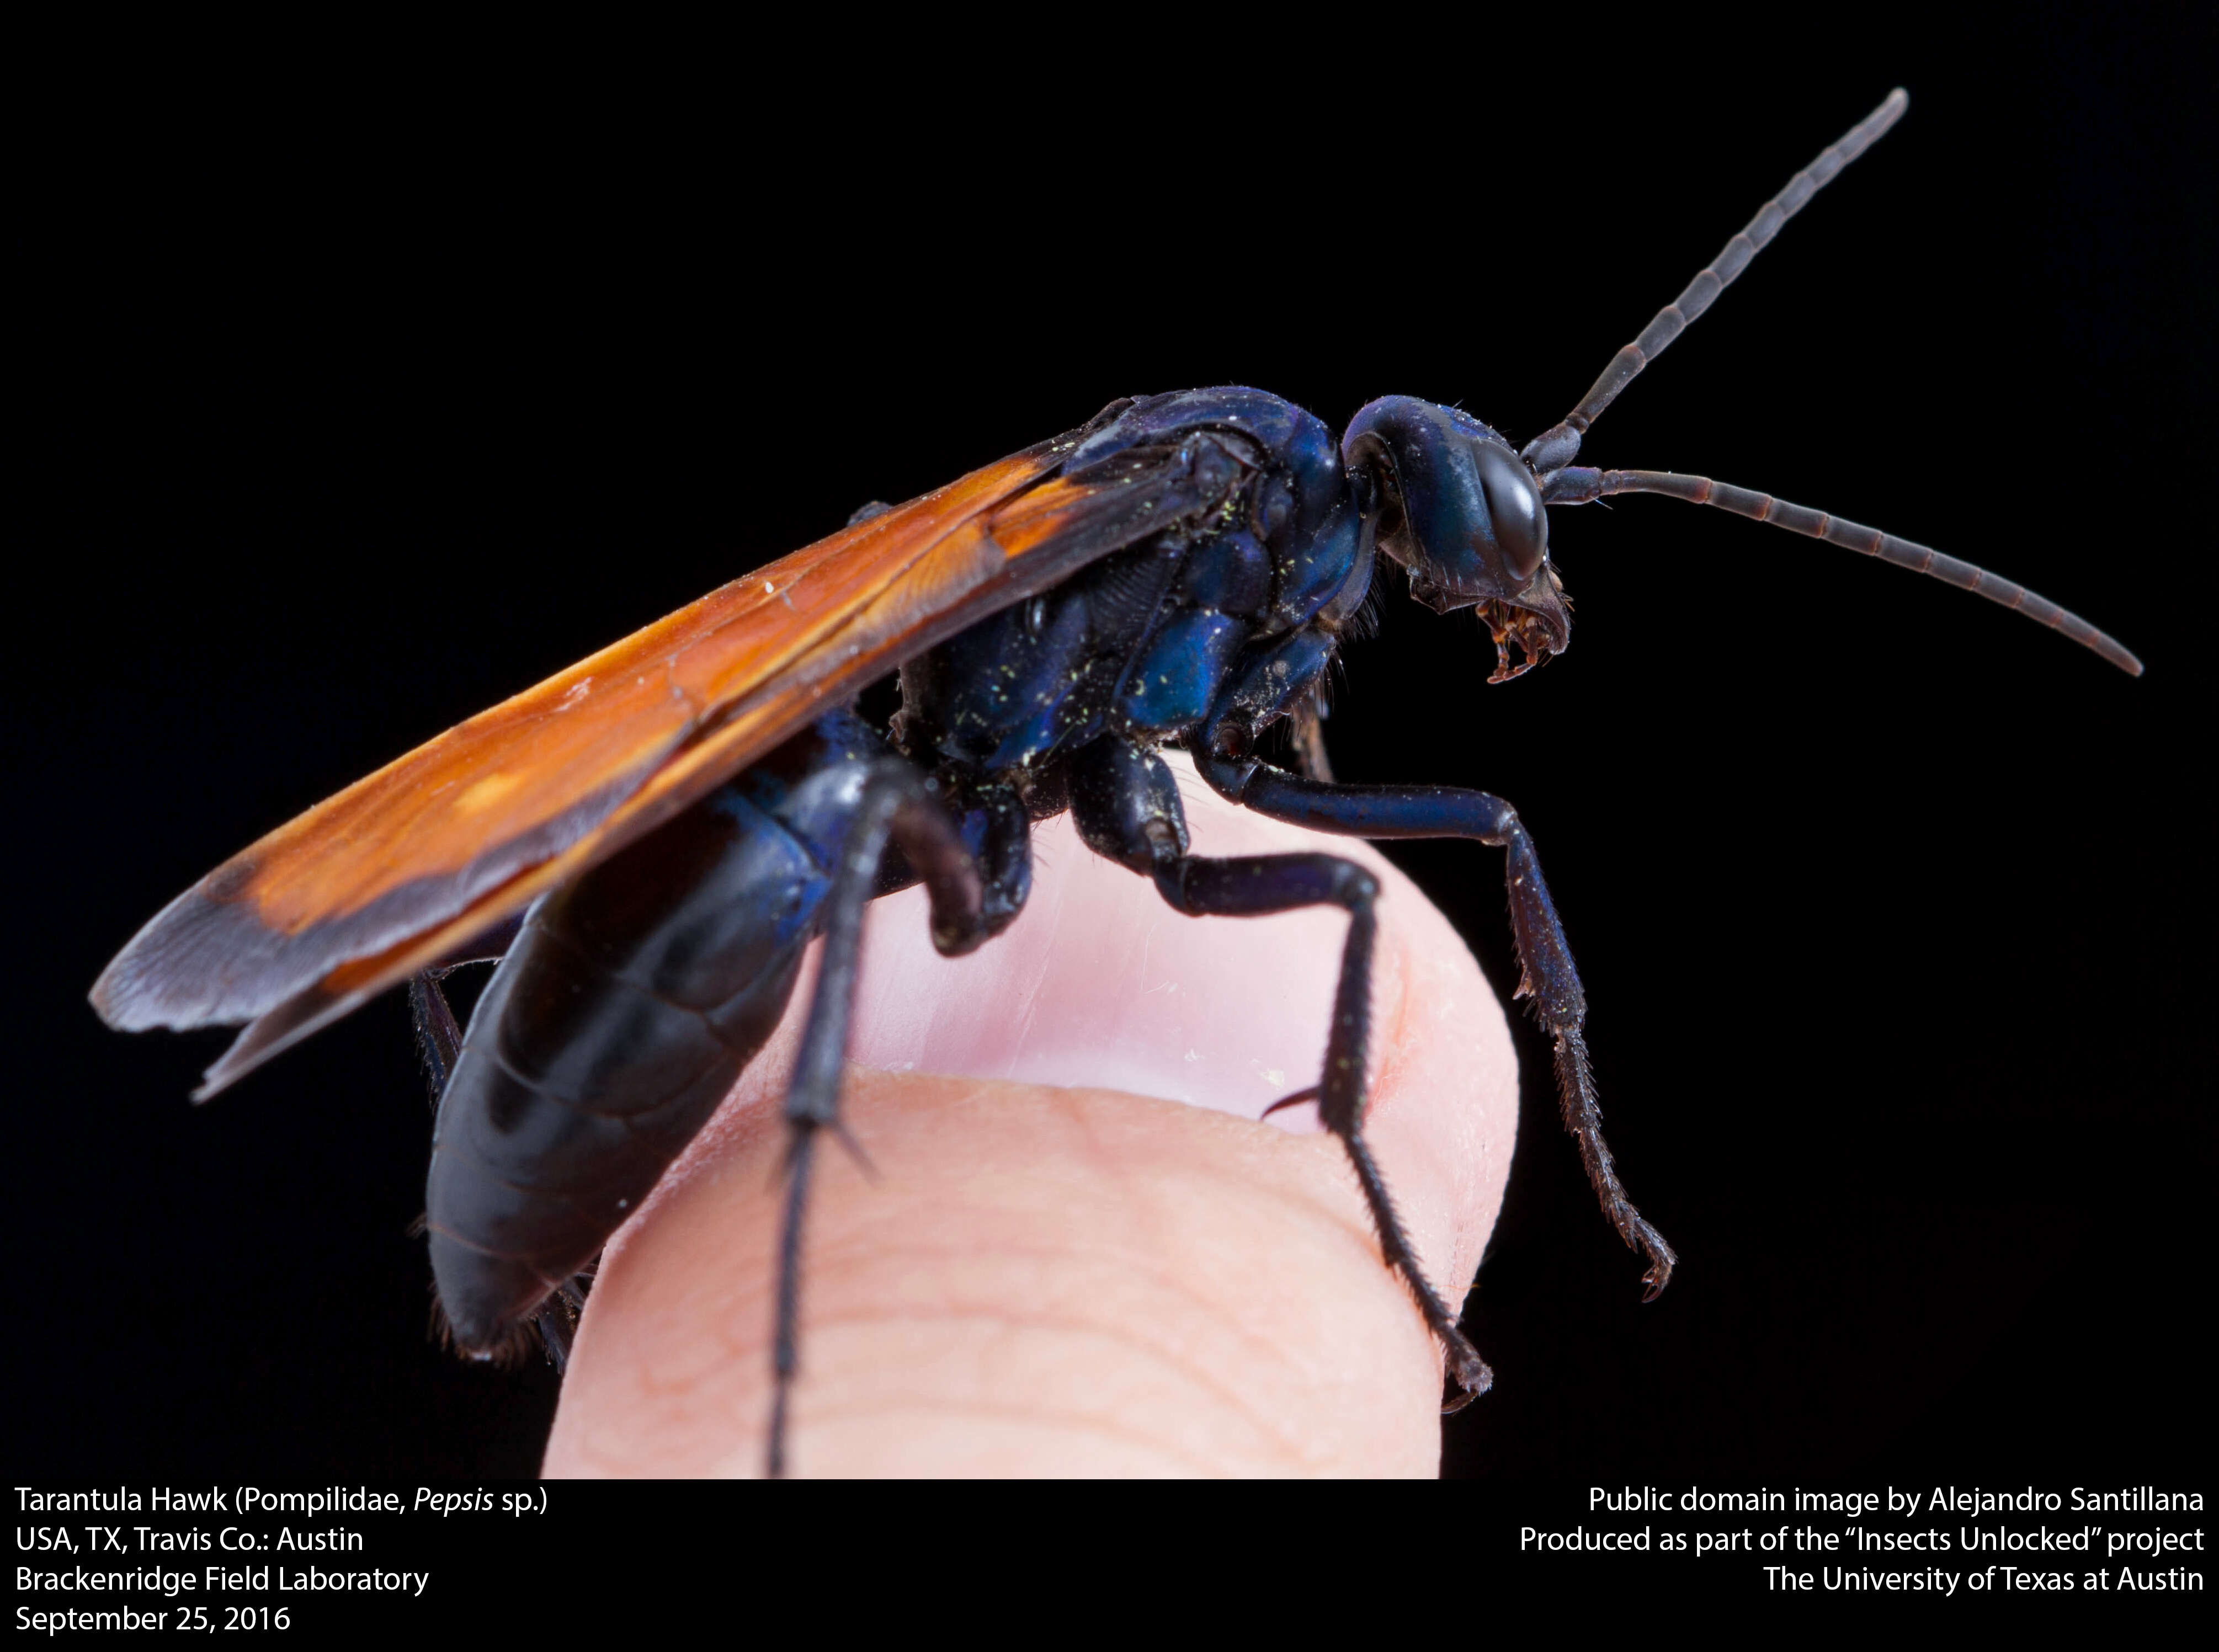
1126,805
896,807
556,1322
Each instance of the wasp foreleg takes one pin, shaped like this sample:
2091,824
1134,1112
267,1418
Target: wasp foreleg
1126,805
1545,960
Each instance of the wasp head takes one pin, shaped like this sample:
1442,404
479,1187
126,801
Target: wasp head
1460,511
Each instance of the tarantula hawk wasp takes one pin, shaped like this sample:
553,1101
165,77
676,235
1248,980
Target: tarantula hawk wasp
673,820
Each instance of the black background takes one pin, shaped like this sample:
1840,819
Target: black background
343,419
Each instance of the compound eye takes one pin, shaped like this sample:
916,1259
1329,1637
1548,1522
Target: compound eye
1521,522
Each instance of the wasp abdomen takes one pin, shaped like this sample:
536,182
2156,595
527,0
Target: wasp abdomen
621,1016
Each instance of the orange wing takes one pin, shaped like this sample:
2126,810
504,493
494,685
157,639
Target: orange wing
438,846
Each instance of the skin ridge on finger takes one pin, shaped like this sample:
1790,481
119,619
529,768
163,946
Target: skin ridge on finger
1272,1401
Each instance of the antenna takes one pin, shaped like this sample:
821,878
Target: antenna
1559,445
1579,484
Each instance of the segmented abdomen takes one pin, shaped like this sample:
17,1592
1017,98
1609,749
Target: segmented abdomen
621,1017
